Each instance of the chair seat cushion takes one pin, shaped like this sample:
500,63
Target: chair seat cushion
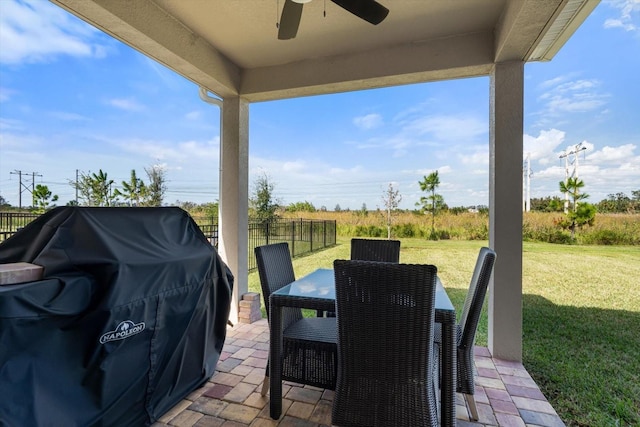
322,329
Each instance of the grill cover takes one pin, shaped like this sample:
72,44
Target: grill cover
129,318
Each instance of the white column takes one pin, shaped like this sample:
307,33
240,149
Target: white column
234,195
505,210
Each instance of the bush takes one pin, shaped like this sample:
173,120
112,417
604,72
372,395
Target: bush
606,237
370,231
404,230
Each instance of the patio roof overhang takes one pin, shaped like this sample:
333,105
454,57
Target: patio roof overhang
231,49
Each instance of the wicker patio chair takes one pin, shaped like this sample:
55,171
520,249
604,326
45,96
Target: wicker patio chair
387,361
375,250
467,327
371,250
308,344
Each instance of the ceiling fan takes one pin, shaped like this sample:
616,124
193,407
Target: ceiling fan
369,10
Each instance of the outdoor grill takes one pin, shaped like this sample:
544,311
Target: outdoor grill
128,318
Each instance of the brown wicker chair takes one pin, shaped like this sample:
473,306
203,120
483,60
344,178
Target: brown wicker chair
371,250
466,329
375,250
387,362
308,344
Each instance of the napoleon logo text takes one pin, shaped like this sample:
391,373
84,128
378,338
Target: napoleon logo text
123,330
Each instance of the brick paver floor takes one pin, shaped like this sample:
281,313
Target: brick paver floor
505,393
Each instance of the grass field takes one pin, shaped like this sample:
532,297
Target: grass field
581,317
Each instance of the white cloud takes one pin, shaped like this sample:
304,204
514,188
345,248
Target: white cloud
37,31
193,115
608,154
126,104
629,13
542,147
368,122
577,96
294,166
185,152
68,117
479,157
457,128
10,124
5,94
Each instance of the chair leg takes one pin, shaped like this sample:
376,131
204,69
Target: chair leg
265,385
471,404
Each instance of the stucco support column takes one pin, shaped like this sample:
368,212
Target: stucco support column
234,195
505,210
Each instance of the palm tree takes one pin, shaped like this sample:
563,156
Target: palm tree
101,189
581,213
572,187
134,191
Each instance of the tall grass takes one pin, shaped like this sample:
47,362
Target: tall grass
608,229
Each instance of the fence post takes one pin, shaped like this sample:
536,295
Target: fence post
267,231
293,237
324,234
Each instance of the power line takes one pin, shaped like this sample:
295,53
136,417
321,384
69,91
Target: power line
23,187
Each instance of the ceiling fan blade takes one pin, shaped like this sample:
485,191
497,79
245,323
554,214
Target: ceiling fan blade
289,20
369,10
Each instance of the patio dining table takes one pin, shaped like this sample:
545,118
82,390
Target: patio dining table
317,291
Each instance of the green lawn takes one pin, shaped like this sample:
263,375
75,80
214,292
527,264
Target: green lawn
581,319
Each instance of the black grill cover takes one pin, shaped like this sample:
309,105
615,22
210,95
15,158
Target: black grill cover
129,318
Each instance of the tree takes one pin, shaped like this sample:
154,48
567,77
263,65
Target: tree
581,213
102,189
337,208
3,202
83,189
94,189
133,191
263,202
391,198
157,187
41,198
433,202
301,207
547,204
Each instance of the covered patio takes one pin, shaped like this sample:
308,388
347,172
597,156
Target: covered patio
231,51
505,393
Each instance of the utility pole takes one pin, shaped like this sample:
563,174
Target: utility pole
526,183
573,151
76,187
24,187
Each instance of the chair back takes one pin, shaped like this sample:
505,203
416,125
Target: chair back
276,271
375,250
385,315
475,297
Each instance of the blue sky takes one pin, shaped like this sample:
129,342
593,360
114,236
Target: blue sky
73,98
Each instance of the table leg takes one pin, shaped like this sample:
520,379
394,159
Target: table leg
275,367
448,365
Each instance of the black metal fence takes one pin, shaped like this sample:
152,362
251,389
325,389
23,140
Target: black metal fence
10,222
303,235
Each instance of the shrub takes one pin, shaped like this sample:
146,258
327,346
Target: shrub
606,237
404,230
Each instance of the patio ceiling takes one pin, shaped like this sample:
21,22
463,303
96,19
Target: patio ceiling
231,48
